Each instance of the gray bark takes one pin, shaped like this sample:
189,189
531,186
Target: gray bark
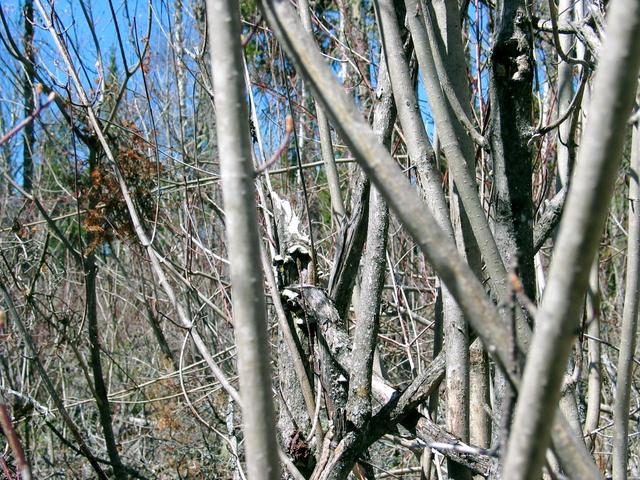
294,420
477,462
373,272
366,328
451,67
549,219
565,144
405,201
565,147
594,383
429,433
480,421
460,154
585,214
353,232
238,192
629,320
349,246
510,91
422,155
422,29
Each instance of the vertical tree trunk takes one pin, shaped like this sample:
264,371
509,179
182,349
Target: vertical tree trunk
594,383
99,387
584,218
510,93
373,270
479,398
28,93
629,320
238,192
510,90
565,145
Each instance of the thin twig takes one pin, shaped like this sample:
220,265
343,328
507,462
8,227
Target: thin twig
29,119
14,442
283,146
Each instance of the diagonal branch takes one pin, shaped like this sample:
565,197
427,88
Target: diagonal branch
405,201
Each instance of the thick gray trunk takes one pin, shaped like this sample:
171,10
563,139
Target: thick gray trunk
510,90
585,213
629,320
373,271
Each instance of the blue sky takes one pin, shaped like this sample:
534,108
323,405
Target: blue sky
131,18
87,49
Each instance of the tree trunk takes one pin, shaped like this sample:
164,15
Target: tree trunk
584,217
28,86
238,192
629,319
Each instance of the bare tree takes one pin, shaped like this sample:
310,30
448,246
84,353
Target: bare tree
629,323
242,232
587,204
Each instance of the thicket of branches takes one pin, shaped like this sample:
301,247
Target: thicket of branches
319,239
